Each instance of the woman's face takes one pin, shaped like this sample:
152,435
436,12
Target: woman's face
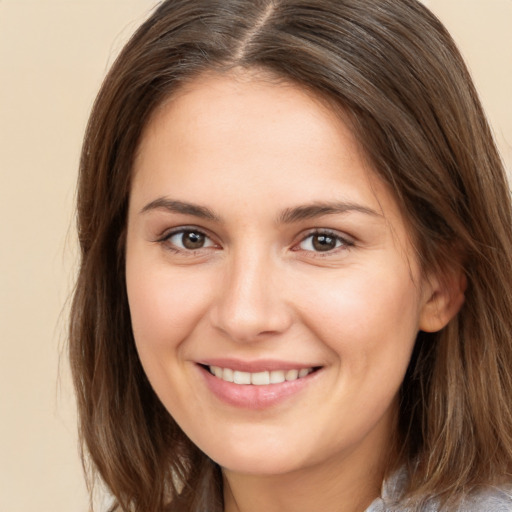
274,294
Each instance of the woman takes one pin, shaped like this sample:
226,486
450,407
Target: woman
294,288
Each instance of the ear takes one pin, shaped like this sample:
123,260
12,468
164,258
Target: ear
443,298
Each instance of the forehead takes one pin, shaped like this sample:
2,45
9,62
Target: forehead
237,111
248,131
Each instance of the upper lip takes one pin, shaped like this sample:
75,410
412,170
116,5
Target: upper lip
260,365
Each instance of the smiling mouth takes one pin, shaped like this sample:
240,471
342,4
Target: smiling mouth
259,378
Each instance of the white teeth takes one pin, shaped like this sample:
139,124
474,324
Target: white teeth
277,376
259,378
227,375
292,374
241,377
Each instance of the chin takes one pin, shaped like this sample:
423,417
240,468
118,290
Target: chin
258,465
255,459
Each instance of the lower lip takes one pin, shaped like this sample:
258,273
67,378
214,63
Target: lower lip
249,396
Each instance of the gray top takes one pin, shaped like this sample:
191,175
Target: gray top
490,499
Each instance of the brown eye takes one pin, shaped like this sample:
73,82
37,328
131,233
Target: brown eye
189,240
323,242
192,240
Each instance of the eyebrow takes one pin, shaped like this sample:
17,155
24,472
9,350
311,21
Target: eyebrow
287,216
173,206
290,215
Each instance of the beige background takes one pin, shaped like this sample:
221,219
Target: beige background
53,55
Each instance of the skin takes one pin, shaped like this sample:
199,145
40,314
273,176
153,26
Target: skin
250,151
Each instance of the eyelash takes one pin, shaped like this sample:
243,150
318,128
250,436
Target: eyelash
166,240
342,243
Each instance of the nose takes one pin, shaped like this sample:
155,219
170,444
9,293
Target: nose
251,304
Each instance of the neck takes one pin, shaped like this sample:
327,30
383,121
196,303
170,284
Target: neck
349,485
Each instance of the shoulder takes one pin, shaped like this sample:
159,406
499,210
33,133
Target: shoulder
485,499
490,499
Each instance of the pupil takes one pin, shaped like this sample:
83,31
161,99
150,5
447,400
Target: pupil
192,240
324,242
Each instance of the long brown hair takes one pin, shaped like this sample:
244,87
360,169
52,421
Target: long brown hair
394,69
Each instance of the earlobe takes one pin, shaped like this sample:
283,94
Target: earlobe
444,298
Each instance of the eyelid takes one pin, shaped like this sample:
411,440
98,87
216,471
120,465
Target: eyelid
169,233
346,241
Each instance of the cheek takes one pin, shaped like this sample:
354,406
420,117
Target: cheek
369,319
165,305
